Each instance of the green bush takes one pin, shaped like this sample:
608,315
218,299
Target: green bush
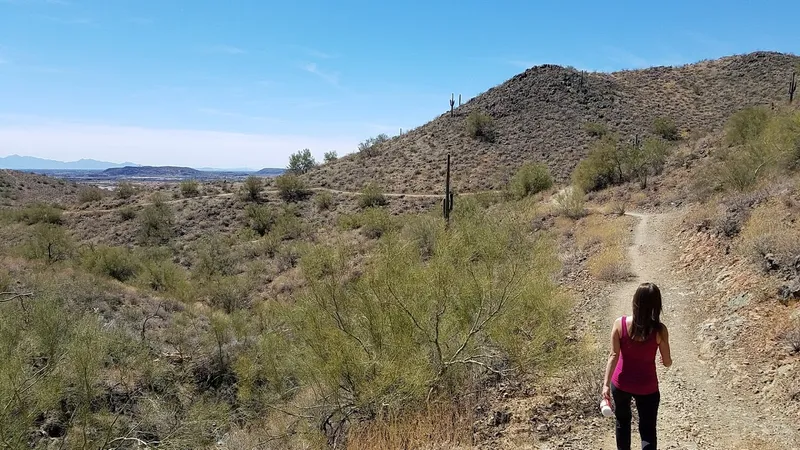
213,256
159,273
371,196
666,129
613,162
480,126
291,188
371,146
87,194
601,166
288,225
570,203
746,125
156,222
375,222
49,242
125,190
190,188
530,179
252,188
331,156
595,129
115,262
40,213
301,162
324,201
410,329
127,213
262,218
228,293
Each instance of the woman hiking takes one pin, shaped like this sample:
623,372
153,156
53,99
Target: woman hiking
631,369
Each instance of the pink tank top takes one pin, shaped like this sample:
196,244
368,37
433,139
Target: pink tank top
636,369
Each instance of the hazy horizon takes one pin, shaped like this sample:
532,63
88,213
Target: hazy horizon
207,85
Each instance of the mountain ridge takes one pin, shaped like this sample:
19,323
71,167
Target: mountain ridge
540,115
21,162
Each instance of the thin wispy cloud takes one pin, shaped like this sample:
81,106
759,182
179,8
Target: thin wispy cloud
227,49
314,53
329,77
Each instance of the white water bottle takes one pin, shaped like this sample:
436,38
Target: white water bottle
605,408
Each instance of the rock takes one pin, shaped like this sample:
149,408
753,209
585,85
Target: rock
499,418
542,428
789,291
770,263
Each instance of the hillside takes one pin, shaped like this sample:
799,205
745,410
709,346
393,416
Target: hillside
540,115
17,188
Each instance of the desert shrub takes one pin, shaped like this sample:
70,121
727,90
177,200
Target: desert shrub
301,162
665,128
324,201
570,202
746,125
159,273
424,232
331,156
601,166
781,140
118,263
213,256
252,188
228,293
530,179
617,208
487,199
190,188
156,222
376,222
287,257
87,194
587,373
49,242
645,160
127,213
769,231
349,221
409,329
609,264
288,225
261,218
480,126
125,190
291,188
792,336
371,146
371,196
595,129
40,213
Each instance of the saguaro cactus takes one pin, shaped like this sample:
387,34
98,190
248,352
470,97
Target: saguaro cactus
459,99
792,87
447,201
452,103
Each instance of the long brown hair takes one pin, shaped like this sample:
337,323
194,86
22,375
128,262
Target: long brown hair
646,311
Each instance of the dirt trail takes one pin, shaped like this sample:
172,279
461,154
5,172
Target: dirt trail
697,411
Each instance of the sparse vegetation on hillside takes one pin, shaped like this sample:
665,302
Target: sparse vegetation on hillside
190,188
330,156
291,188
666,129
371,145
301,162
596,129
156,222
252,188
125,190
371,196
481,126
87,194
611,162
530,179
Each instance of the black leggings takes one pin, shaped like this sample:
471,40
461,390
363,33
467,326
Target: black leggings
647,406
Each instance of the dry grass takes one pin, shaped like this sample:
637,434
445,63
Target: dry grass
440,425
771,229
609,264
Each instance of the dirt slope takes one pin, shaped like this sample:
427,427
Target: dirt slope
540,115
699,410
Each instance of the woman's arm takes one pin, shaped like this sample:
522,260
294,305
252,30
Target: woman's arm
663,347
613,358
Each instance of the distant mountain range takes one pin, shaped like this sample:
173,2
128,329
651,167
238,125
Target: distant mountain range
29,162
150,171
17,162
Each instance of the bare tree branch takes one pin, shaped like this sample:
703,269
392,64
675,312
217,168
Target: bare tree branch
14,296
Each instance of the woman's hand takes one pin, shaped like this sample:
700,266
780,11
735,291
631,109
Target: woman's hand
607,393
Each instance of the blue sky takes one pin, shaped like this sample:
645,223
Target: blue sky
244,83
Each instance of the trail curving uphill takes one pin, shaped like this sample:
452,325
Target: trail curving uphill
697,411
